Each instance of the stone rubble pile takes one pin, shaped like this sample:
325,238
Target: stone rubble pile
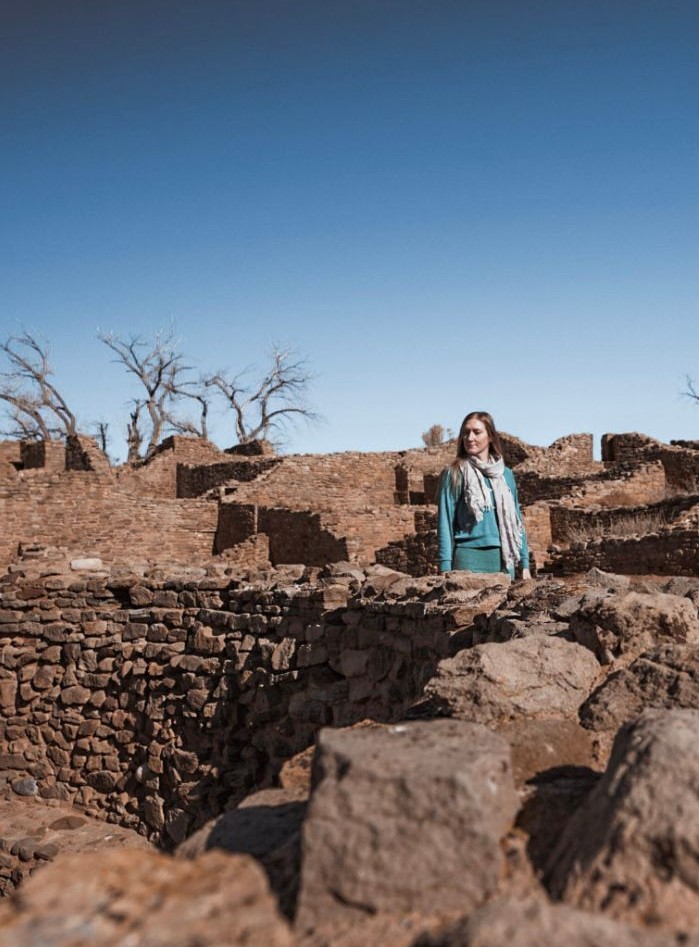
494,765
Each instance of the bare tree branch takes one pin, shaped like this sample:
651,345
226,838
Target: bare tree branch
196,391
101,434
37,408
160,368
691,391
277,399
134,435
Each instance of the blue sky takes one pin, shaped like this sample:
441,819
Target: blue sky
442,205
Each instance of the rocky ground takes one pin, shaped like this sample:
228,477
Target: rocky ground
544,790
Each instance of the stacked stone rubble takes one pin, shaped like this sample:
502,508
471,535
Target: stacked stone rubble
154,701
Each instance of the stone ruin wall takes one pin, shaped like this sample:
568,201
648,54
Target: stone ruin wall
680,460
313,507
568,523
157,477
308,508
153,703
666,552
337,483
622,485
47,455
194,480
570,456
94,515
615,485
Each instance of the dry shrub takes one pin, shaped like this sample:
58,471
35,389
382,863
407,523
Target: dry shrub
638,524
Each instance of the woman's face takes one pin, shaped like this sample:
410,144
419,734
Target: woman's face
476,439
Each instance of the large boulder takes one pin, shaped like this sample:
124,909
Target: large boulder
266,825
135,897
546,746
536,923
526,677
664,677
408,818
632,622
632,849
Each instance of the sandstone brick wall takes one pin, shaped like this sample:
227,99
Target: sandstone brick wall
681,463
300,536
195,480
154,702
326,482
321,508
617,485
48,455
157,477
537,523
79,510
690,445
83,453
669,552
415,553
570,456
625,447
10,459
237,522
10,452
309,537
570,524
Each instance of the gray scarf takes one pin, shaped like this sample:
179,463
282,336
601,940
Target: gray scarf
477,500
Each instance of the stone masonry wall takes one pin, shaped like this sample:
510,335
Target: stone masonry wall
622,484
80,509
416,553
195,480
10,459
157,477
153,703
570,456
83,453
681,463
312,538
326,482
49,455
569,524
667,552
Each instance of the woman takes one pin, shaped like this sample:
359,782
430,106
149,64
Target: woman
479,526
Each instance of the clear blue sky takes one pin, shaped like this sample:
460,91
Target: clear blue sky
443,205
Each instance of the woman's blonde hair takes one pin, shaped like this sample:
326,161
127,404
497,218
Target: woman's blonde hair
454,469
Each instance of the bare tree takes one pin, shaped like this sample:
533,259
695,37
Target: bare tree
263,408
691,391
195,391
160,368
37,409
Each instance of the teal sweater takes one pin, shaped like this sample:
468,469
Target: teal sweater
455,523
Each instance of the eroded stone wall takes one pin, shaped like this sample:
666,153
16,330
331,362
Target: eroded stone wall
157,477
326,482
195,480
153,702
10,460
96,515
680,460
618,485
570,524
667,552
